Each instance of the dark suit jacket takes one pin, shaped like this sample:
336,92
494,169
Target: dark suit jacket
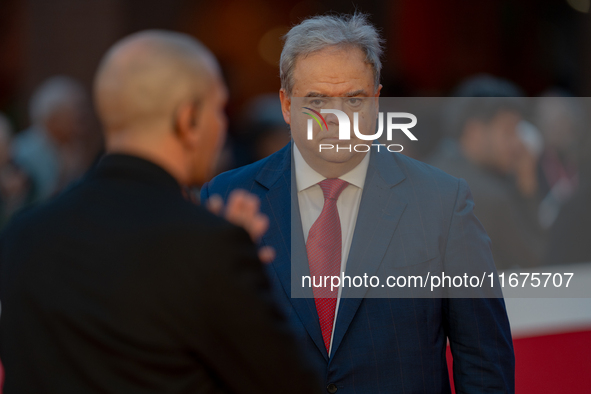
121,286
410,213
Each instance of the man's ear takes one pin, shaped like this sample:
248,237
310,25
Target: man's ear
186,123
285,105
378,90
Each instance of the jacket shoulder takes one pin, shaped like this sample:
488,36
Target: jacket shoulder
419,172
243,177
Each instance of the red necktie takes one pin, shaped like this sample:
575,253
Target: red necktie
324,254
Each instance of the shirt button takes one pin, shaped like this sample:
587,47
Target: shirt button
331,388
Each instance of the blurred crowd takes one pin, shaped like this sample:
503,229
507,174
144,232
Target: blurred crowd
526,160
59,145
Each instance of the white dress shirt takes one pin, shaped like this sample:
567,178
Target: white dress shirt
311,202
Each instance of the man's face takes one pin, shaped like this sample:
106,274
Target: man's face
318,79
502,142
211,118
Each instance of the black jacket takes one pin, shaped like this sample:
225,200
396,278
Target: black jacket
120,285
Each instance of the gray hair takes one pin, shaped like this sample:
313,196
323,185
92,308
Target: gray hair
51,95
320,32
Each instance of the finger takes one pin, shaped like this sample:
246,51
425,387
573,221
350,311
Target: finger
250,206
249,214
215,204
242,210
267,254
235,207
252,203
258,226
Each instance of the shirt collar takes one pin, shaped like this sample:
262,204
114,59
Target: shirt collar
306,176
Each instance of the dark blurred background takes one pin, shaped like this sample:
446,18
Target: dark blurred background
431,44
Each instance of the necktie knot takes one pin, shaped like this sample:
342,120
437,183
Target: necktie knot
332,188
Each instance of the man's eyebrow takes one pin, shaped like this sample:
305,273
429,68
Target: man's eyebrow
348,94
355,93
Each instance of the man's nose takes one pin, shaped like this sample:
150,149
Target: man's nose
335,103
331,119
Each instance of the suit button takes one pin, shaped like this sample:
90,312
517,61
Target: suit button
332,388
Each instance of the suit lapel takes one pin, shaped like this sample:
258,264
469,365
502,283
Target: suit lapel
379,213
281,204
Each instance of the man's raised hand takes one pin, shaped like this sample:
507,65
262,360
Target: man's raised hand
243,209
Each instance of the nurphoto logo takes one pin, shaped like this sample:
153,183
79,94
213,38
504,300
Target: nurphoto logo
345,129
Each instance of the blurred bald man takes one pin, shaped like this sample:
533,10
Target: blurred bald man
120,285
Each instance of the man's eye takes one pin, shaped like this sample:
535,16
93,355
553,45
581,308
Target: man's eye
317,102
354,101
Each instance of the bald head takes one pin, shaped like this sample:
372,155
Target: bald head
146,76
161,97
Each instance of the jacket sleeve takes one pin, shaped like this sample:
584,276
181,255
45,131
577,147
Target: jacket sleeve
204,193
249,345
477,328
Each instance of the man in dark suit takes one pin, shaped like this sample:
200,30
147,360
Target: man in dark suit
120,284
392,213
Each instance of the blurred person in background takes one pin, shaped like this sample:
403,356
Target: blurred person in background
15,187
486,150
560,119
263,130
564,174
526,169
260,132
122,285
52,150
571,231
